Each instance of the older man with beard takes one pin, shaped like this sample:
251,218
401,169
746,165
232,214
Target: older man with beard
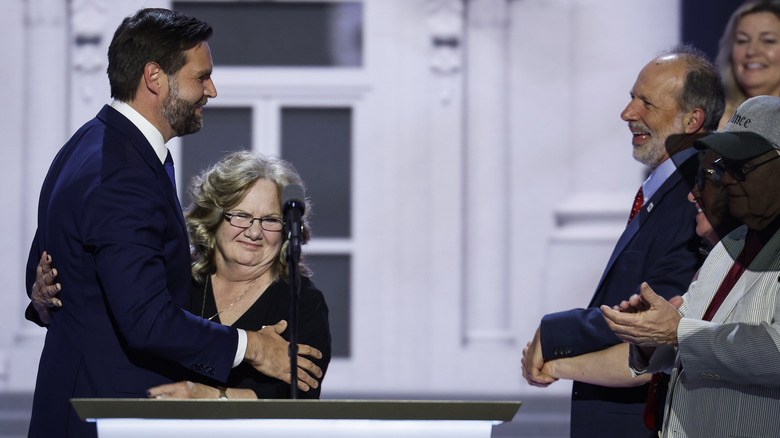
678,92
109,214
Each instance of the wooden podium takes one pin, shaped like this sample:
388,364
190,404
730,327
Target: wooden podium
151,418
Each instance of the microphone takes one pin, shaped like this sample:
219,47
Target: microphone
293,207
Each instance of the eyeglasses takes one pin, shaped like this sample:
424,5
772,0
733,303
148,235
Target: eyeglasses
704,175
737,172
243,220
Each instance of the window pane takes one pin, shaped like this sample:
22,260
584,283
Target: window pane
318,142
303,34
331,276
224,130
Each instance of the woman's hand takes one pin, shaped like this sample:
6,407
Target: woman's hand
183,390
45,290
189,389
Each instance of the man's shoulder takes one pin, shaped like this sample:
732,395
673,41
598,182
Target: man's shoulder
670,202
679,180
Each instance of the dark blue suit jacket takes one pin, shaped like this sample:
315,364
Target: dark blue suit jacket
110,218
659,246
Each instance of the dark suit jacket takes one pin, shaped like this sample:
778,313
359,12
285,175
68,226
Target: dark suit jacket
109,216
659,246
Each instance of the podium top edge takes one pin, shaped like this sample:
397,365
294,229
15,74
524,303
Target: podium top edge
98,408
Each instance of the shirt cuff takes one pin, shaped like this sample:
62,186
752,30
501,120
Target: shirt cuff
637,361
241,350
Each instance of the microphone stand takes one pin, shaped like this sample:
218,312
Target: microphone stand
293,256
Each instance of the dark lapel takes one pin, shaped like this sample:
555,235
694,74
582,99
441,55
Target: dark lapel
125,127
687,168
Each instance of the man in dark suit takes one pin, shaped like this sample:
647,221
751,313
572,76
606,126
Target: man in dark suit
678,92
109,213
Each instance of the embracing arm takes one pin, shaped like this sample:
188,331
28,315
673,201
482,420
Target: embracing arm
44,293
608,367
314,343
189,389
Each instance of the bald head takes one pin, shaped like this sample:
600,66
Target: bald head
668,98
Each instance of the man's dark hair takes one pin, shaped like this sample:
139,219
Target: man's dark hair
151,35
702,87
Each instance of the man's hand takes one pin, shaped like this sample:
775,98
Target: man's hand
45,290
267,352
676,301
636,304
533,363
647,320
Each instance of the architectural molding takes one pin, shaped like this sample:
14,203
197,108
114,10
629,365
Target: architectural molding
446,31
488,13
43,13
88,20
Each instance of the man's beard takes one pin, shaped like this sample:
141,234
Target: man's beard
653,152
179,113
650,154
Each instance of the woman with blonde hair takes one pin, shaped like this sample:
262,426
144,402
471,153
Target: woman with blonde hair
749,54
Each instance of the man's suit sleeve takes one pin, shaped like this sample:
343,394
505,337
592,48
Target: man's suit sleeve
737,352
668,262
126,223
575,332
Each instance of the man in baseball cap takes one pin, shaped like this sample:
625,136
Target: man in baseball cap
747,167
758,115
721,346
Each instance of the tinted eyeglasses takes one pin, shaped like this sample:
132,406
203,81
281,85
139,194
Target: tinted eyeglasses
704,175
737,172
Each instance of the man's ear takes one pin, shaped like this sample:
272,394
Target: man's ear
154,78
693,121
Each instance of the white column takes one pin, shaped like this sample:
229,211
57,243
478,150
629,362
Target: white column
11,125
44,109
486,209
45,101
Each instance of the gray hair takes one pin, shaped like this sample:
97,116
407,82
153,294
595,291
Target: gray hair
702,87
219,189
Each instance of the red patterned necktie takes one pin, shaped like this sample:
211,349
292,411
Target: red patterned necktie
652,404
639,200
752,248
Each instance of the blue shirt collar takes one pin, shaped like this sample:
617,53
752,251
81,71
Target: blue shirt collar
663,172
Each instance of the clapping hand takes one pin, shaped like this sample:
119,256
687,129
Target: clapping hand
645,320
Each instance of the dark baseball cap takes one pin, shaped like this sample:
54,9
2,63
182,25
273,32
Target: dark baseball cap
736,146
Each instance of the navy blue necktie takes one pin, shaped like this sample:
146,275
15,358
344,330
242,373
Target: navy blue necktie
169,169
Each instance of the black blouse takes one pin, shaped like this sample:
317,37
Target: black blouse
272,307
